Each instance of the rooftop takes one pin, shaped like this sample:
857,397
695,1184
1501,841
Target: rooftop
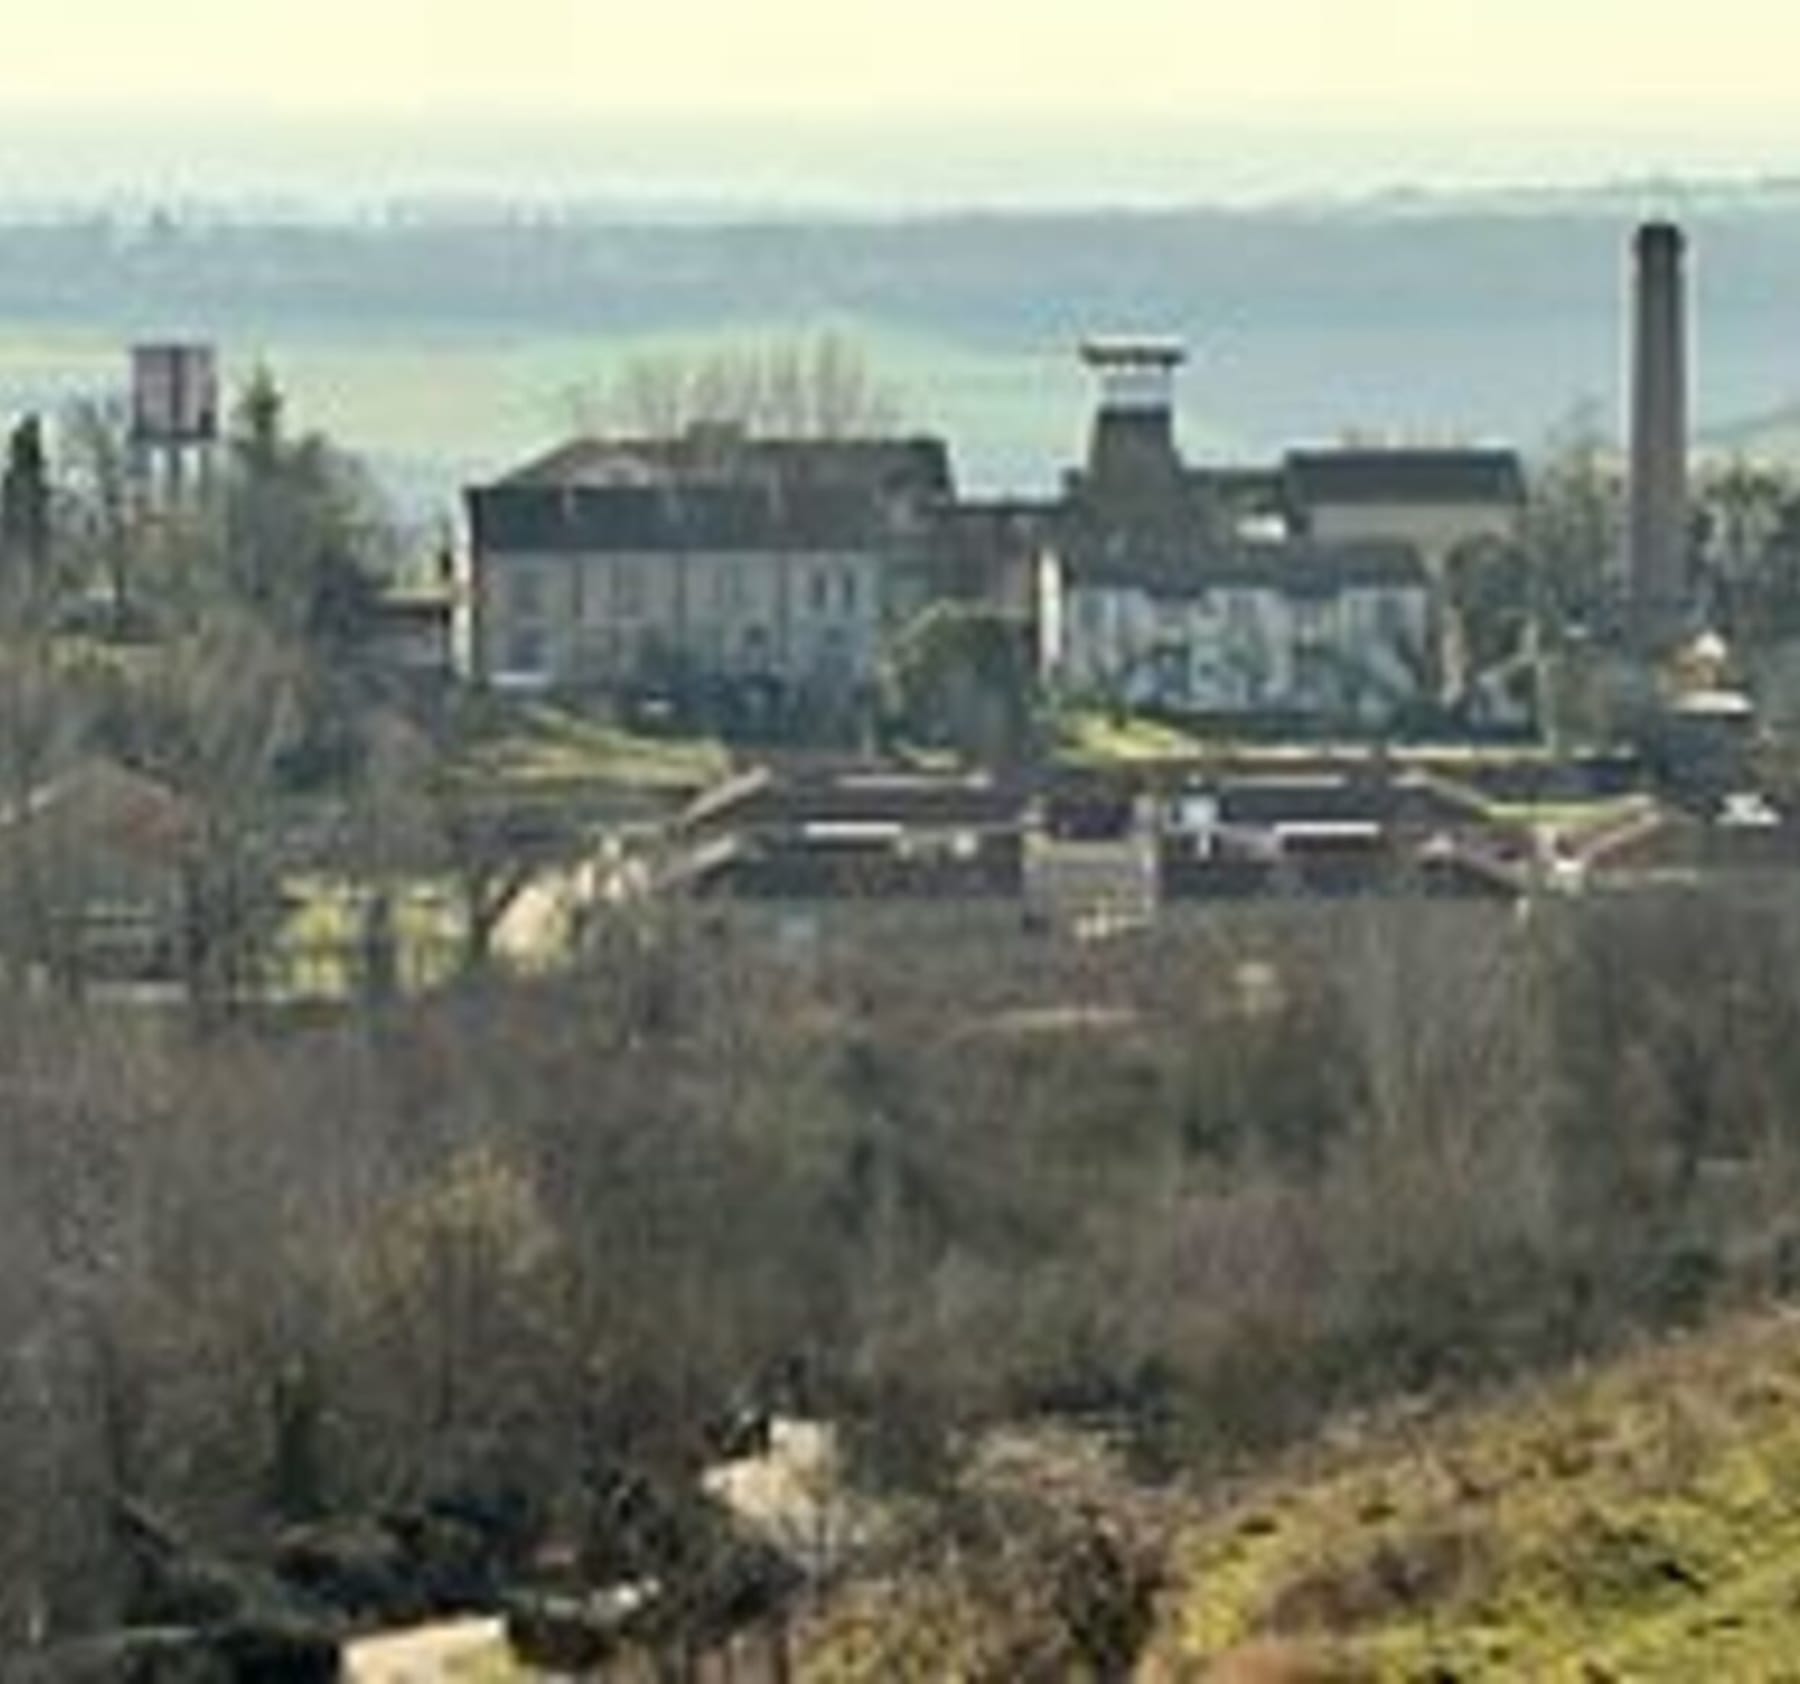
1112,350
596,519
917,464
1453,476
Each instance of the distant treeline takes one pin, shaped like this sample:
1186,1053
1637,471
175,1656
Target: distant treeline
1025,277
1496,319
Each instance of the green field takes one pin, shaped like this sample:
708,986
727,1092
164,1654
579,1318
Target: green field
543,749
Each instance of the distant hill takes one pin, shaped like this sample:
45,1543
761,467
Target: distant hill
442,341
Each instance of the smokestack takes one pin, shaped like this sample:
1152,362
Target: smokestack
1657,529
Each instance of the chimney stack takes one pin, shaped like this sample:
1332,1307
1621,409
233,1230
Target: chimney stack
1132,452
1657,526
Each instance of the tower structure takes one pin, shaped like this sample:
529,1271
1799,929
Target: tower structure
1132,451
1657,520
174,418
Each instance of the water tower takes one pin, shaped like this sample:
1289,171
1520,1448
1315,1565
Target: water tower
174,418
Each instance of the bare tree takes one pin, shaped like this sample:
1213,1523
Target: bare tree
217,711
821,387
108,532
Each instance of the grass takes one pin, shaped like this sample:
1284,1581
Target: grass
495,1666
1089,736
1571,819
1639,1522
544,748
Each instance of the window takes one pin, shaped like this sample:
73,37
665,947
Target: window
1171,663
834,653
525,595
728,588
527,652
627,590
818,591
849,593
1312,621
593,604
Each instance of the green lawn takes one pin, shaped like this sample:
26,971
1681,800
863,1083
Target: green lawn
496,1666
1573,819
542,747
1090,736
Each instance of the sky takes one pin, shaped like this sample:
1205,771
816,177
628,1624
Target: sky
1558,62
886,103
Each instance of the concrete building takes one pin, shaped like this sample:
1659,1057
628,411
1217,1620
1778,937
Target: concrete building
1438,500
1444,502
1311,588
1318,633
1185,587
739,561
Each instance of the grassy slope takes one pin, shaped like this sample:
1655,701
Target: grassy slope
1090,737
1638,1522
1641,1522
549,747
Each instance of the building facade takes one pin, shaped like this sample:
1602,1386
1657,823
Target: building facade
1446,503
712,557
1281,591
1330,634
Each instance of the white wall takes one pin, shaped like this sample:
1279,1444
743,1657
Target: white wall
1243,647
1434,530
597,615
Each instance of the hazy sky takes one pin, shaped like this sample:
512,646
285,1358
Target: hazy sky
1710,67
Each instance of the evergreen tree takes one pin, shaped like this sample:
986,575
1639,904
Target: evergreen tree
961,677
25,501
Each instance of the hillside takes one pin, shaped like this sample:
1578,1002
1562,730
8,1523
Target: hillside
1638,1522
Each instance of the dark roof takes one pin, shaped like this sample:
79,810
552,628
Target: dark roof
917,466
716,488
1022,521
587,518
1297,568
1240,487
1315,800
761,802
1441,477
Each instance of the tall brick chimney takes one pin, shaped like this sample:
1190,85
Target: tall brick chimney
1657,525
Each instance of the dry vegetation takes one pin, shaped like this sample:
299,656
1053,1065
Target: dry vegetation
1638,1521
532,1241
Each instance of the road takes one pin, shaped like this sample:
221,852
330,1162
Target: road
424,1656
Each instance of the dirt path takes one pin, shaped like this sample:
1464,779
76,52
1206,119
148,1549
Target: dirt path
423,1656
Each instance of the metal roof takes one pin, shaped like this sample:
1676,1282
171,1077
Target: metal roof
1454,477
